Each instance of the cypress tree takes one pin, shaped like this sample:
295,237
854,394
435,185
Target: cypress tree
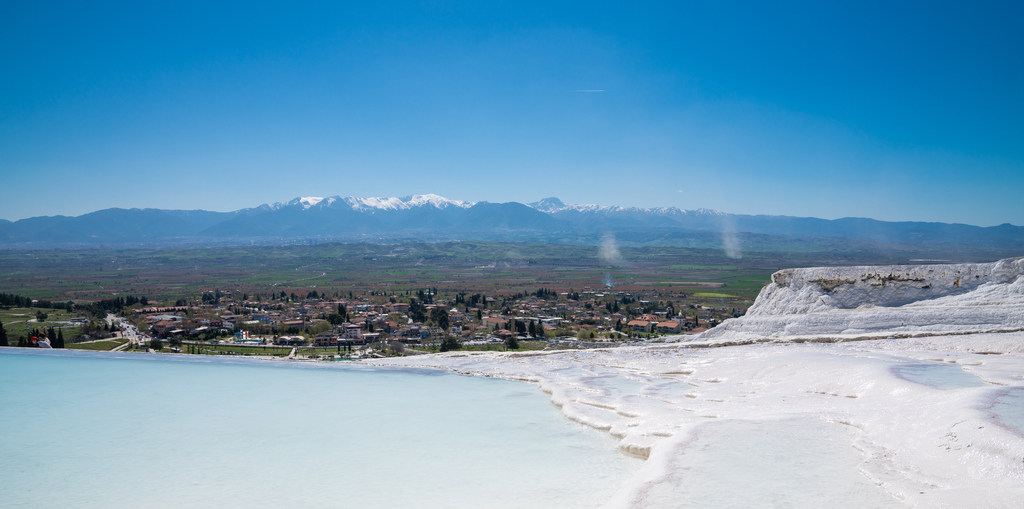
60,338
3,335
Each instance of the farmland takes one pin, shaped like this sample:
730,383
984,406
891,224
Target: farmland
165,275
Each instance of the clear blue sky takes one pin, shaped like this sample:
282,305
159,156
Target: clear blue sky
913,111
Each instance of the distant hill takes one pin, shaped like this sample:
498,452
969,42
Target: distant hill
594,216
433,218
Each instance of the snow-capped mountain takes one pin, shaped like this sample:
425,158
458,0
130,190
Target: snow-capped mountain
430,216
554,205
614,216
406,203
370,204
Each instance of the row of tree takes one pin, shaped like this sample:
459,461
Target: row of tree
19,301
55,336
100,308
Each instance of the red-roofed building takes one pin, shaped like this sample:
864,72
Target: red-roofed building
669,327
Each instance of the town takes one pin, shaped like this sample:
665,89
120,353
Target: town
380,324
350,300
425,320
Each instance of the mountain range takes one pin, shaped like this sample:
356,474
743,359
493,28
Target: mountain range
431,217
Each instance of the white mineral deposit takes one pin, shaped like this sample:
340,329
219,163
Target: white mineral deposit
923,411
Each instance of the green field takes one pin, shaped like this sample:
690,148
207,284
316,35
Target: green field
493,268
104,345
20,322
702,267
238,350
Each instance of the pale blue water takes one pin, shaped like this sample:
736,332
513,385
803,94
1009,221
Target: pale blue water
109,430
938,375
1008,408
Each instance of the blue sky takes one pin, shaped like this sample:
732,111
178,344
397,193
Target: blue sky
912,111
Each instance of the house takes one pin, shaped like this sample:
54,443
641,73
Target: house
328,338
639,325
293,325
493,322
352,331
162,327
669,327
290,340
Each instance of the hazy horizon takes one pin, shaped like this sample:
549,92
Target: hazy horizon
281,202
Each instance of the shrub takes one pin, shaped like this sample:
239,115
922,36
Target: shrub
450,343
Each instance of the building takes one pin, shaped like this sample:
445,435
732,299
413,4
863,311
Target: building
639,325
669,327
328,338
352,332
294,325
493,322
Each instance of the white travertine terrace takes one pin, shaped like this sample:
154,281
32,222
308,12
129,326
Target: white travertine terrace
930,416
842,408
848,303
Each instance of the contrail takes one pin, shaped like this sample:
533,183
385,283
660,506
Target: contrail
590,90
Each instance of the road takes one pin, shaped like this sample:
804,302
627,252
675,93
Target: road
128,331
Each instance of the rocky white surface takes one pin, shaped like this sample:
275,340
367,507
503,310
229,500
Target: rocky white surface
848,303
778,408
794,425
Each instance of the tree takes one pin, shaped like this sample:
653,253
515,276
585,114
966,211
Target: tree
3,335
156,344
512,343
417,311
396,347
439,316
60,339
41,317
450,343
